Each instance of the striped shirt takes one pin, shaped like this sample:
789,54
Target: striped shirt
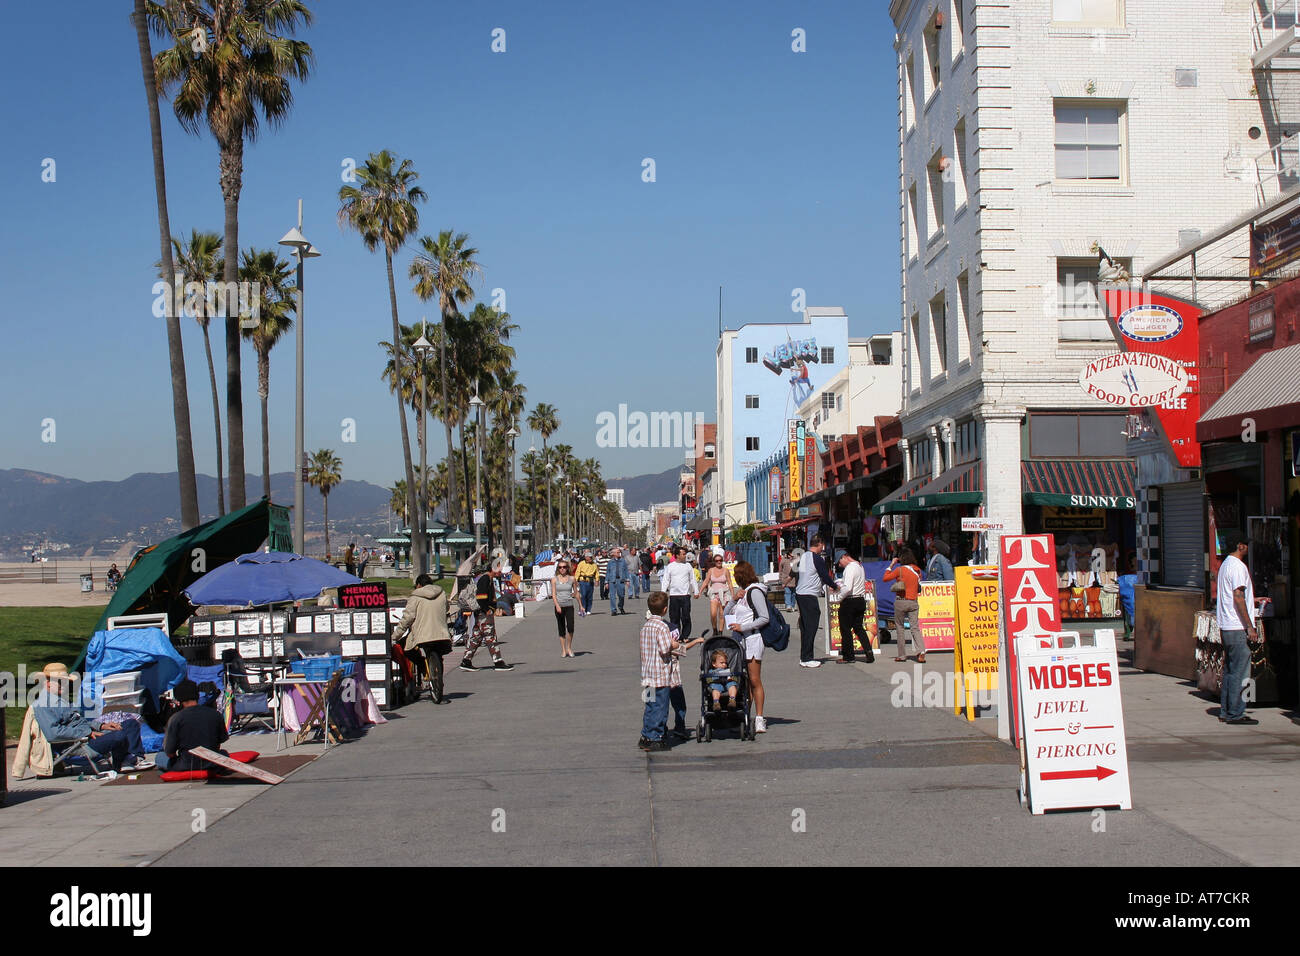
656,653
601,565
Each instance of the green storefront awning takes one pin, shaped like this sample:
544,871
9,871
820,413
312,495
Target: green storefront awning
900,499
1080,482
959,485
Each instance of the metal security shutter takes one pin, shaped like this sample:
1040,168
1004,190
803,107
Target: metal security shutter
1182,535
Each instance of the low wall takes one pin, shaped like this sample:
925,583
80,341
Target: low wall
1164,641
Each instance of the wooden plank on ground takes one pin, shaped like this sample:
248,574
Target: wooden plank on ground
234,766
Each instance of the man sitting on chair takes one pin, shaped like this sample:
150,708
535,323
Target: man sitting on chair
58,720
191,726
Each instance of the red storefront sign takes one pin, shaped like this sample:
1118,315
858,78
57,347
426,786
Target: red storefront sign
810,465
1165,326
1030,605
774,484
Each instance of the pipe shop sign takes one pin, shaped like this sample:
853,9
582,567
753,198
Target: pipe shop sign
1136,380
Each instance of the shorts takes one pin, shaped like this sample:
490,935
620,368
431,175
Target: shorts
722,687
753,646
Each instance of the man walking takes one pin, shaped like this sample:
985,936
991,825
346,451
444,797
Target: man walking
485,624
646,563
814,578
616,578
1235,610
788,578
680,584
853,607
938,567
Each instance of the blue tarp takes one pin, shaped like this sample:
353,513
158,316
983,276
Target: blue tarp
875,571
266,577
143,649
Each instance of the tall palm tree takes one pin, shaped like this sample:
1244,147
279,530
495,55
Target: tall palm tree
324,471
397,500
545,419
275,306
239,75
381,208
199,260
189,492
445,267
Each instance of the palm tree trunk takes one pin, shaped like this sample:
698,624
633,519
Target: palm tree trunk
453,518
464,462
232,174
325,497
216,418
189,492
264,392
417,537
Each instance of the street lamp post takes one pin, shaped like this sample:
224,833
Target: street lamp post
532,493
304,250
512,435
476,404
422,347
550,470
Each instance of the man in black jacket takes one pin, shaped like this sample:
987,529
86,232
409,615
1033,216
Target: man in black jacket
191,726
485,623
813,578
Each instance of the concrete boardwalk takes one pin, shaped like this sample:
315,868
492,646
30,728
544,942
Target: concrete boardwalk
540,766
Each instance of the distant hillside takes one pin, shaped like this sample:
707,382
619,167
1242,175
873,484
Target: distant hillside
84,513
646,490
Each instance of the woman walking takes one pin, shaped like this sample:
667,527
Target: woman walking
749,605
717,584
562,596
904,570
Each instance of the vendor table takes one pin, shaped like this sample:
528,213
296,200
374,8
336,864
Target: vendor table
304,703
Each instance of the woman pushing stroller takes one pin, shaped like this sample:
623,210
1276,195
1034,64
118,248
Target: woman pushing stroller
749,607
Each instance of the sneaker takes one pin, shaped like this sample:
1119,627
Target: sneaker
813,663
1242,721
142,763
717,706
644,743
465,665
658,745
681,733
731,706
760,725
503,666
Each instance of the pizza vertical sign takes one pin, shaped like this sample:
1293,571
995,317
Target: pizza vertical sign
1030,605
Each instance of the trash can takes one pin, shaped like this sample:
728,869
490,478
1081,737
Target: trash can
87,583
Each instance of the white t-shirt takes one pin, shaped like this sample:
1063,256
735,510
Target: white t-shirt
854,583
1234,574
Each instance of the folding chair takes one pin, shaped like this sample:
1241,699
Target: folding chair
63,748
251,703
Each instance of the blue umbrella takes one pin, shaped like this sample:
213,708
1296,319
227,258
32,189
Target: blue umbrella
266,577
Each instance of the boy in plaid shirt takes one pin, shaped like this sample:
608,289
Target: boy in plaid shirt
657,663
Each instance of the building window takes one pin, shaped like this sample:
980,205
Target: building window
912,99
751,401
963,318
914,221
1089,142
956,168
939,334
914,351
828,401
1104,12
709,451
1076,436
968,441
751,356
1080,317
751,443
839,402
934,176
957,27
931,60
828,355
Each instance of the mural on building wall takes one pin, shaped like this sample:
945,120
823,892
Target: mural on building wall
794,356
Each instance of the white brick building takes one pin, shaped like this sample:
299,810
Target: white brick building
870,385
1030,133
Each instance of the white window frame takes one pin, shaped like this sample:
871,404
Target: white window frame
828,401
1077,305
935,209
939,333
958,168
751,350
751,443
1118,20
1121,108
914,222
957,28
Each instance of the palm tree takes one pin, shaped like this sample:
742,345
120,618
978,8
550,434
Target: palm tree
276,303
397,501
444,268
381,208
189,491
324,471
242,68
199,260
546,420
506,405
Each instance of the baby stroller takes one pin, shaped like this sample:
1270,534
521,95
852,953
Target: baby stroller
724,719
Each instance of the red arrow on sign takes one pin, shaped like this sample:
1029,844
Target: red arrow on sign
1101,773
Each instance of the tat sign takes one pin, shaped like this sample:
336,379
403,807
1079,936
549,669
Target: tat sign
1030,608
1075,755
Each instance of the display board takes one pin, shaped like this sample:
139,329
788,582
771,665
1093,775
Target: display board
975,653
362,634
936,614
1075,754
869,623
1030,607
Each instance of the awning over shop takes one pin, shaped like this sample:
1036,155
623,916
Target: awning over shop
701,523
789,524
1266,393
959,485
900,499
1080,482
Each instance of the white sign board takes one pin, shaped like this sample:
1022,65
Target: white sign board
982,524
1134,380
1073,722
480,516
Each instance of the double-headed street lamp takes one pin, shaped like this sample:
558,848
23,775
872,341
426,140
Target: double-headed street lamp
532,492
422,348
304,250
512,435
476,404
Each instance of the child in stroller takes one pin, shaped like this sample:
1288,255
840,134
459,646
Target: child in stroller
722,652
721,680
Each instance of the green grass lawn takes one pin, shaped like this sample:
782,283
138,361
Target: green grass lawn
36,636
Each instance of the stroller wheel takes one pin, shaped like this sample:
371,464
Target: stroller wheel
699,734
708,732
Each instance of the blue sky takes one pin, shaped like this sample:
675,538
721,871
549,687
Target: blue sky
774,170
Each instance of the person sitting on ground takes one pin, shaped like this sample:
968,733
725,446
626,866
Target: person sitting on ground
721,679
191,726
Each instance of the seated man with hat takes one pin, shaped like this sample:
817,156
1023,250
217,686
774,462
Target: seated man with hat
58,720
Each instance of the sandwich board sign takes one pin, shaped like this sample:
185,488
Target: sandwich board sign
1075,756
1030,608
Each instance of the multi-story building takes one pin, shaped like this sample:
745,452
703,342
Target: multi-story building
1033,137
765,372
870,385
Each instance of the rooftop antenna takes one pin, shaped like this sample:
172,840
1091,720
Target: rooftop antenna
719,311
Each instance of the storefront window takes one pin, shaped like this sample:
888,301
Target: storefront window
1054,435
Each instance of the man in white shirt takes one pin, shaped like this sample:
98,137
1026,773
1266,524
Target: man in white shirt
853,607
1235,610
678,580
814,578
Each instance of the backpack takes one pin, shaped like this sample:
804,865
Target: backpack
776,633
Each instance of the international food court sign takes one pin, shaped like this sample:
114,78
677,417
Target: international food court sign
1135,381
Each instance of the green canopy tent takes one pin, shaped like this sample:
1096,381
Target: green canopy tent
157,575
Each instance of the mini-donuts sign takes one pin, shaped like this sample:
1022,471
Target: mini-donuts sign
1135,380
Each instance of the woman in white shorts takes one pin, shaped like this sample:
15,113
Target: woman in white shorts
749,605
